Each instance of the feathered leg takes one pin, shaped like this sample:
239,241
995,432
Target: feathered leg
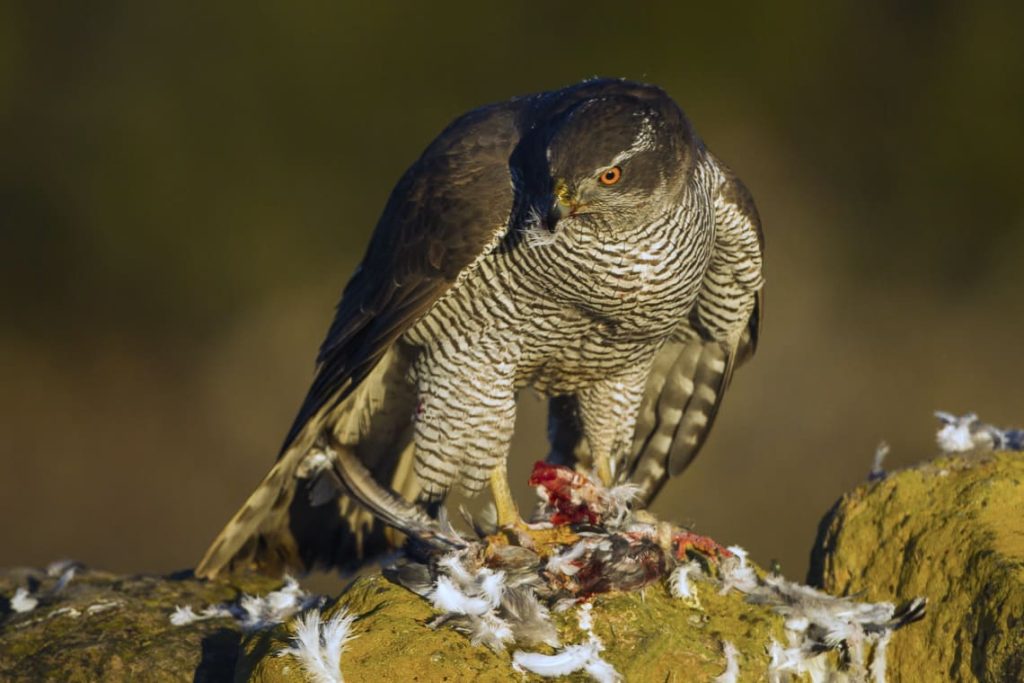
608,410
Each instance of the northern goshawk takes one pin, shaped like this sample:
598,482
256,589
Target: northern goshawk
582,242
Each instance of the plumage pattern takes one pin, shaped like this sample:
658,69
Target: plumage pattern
505,259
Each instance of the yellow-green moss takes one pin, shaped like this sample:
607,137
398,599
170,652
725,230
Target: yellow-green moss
648,635
951,530
128,635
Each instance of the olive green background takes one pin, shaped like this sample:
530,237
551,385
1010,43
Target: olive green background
184,190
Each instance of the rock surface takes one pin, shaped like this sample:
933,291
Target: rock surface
104,627
951,530
113,628
648,636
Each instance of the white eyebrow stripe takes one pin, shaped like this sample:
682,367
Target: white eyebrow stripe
643,141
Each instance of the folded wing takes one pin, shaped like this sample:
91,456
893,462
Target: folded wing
448,210
693,369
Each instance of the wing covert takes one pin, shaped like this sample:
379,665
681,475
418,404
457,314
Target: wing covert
448,209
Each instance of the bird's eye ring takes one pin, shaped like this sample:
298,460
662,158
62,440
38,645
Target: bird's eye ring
610,176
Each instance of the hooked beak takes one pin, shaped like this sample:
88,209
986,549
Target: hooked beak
563,204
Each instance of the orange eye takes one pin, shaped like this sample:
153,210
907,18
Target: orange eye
611,176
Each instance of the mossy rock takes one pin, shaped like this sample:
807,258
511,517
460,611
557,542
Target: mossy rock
648,636
951,530
104,627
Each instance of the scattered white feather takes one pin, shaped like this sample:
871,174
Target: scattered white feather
103,606
618,499
182,616
492,586
737,573
569,660
452,564
732,664
815,621
477,603
335,635
787,662
783,659
562,563
255,612
955,435
491,630
318,646
680,585
966,432
601,670
447,597
63,571
739,553
55,569
573,658
22,601
529,619
564,605
878,660
585,619
624,493
878,464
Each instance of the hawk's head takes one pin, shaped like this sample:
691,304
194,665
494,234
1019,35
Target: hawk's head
618,156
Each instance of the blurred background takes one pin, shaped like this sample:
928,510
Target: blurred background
184,191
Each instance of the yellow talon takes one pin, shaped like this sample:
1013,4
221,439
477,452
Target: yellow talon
512,528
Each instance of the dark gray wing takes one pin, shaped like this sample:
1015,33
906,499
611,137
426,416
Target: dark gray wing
450,208
447,211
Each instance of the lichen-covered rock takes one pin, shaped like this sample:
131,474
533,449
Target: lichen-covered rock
648,636
951,530
104,627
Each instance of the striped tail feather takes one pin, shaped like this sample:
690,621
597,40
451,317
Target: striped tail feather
297,519
685,387
684,393
682,399
311,510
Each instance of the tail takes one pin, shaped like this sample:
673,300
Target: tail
295,520
684,392
683,396
304,515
